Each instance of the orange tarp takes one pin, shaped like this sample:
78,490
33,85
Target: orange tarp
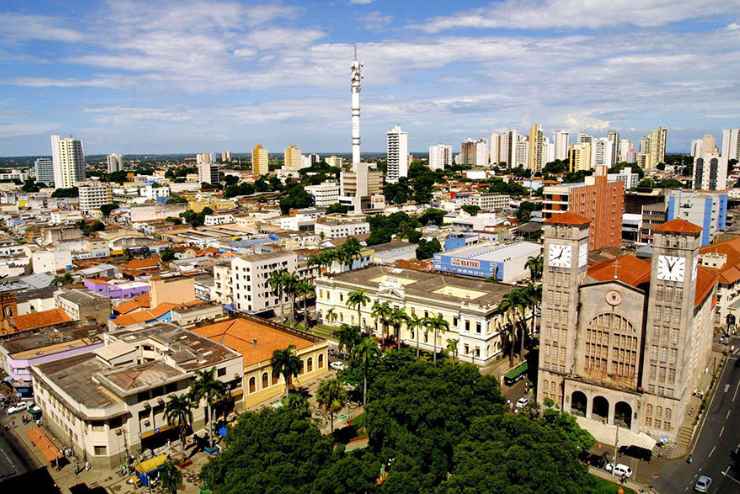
38,438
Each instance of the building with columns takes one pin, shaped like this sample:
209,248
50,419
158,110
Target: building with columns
623,343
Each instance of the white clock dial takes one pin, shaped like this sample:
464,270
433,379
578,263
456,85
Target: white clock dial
559,256
671,268
583,254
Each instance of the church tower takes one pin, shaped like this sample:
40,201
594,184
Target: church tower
565,264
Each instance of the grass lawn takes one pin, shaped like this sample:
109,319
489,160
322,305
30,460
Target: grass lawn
606,487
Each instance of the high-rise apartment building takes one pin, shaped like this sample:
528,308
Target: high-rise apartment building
481,153
583,137
624,343
597,199
44,168
335,161
94,194
627,152
653,147
613,138
601,152
397,149
560,138
208,173
494,151
521,157
579,157
260,160
468,150
704,208
440,155
507,147
225,156
292,158
731,144
204,158
68,160
535,155
115,162
710,171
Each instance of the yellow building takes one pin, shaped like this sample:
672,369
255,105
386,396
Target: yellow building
579,157
256,340
292,158
214,203
260,160
536,157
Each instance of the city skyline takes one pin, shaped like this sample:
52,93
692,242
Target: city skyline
189,76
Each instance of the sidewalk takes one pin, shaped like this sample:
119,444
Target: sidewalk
596,472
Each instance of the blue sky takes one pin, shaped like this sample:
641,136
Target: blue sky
194,75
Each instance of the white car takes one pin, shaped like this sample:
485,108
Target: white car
521,403
620,470
703,483
18,407
337,365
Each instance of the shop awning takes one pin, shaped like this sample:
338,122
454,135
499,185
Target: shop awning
151,464
40,440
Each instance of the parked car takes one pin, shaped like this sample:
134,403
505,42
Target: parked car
636,452
597,461
521,403
703,483
17,407
337,365
620,470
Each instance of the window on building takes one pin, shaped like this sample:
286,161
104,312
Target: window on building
252,384
321,361
100,450
309,364
265,380
222,371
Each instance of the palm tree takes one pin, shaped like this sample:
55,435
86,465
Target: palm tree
290,287
508,308
288,364
364,353
276,281
535,265
358,299
170,477
533,294
349,251
415,323
438,324
348,337
452,347
178,412
382,314
303,289
207,387
331,397
397,318
331,315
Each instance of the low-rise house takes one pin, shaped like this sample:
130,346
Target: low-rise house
84,306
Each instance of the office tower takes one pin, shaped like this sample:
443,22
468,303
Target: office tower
94,194
521,157
731,144
535,157
579,157
225,156
260,161
68,161
710,171
44,168
560,139
292,158
653,147
355,85
115,162
397,149
601,152
203,158
494,148
613,137
440,156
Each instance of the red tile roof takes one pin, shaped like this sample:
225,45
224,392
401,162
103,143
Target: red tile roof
139,302
729,273
43,319
146,263
706,279
627,269
677,226
567,218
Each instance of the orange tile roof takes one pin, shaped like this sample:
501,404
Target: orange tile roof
730,271
146,263
254,340
139,302
141,316
567,218
677,226
43,319
706,279
627,269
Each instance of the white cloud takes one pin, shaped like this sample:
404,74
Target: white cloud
10,130
573,14
361,2
733,26
375,20
19,27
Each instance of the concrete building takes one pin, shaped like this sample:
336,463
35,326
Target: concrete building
44,171
358,186
208,172
521,157
341,227
706,209
625,175
94,194
292,158
155,192
561,140
109,404
324,194
507,147
494,148
68,160
440,155
389,253
81,305
335,161
468,306
601,152
627,152
597,199
485,201
710,171
260,161
653,147
505,263
613,137
397,149
225,156
725,258
536,153
625,342
731,144
242,284
115,162
580,156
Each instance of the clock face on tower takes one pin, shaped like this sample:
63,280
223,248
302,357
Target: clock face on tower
559,256
671,268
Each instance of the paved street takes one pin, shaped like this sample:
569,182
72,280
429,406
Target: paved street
711,455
